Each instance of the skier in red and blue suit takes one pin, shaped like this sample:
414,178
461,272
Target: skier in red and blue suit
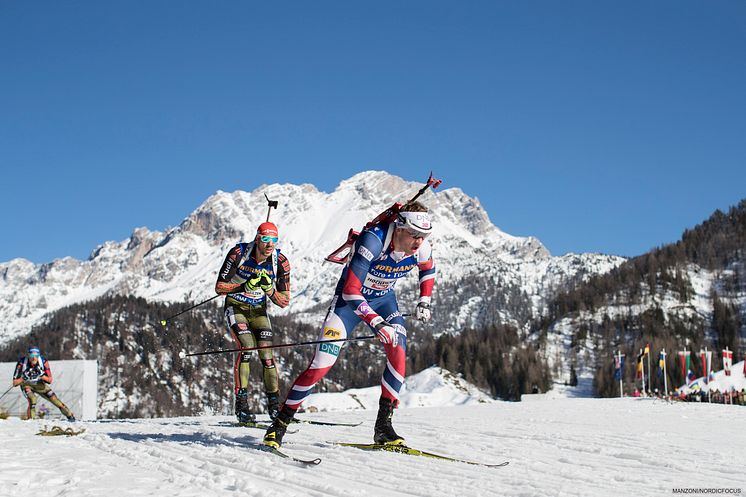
381,255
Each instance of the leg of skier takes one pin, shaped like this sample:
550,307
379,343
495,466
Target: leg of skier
339,320
48,394
244,338
31,397
393,374
262,329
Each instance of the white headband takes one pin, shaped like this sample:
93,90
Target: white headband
415,221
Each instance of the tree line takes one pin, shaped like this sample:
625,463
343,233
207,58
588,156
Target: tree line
141,372
635,292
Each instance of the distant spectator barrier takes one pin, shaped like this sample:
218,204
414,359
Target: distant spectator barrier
75,383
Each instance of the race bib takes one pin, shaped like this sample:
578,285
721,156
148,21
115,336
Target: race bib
378,284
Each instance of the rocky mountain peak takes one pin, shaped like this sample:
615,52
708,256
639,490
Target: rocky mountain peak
181,263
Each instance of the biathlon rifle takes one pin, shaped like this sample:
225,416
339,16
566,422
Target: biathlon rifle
341,255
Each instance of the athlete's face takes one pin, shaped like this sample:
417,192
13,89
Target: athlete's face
406,241
34,359
265,248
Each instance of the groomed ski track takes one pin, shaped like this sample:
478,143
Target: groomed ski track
592,447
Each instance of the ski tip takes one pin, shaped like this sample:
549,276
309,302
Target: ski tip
277,452
324,423
405,449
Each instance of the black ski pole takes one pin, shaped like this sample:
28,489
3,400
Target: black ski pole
280,345
6,392
165,321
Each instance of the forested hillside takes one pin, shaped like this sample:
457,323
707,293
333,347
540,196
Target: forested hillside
142,374
686,295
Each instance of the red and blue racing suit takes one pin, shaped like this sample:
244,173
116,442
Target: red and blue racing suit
364,291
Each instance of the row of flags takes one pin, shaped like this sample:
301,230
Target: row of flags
684,361
706,361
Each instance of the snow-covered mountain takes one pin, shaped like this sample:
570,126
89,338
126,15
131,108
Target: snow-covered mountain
181,264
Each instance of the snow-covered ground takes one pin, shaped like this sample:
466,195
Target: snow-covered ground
593,447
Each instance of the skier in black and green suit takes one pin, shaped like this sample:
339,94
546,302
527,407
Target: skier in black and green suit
252,274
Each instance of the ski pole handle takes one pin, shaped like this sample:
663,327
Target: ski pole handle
271,204
435,183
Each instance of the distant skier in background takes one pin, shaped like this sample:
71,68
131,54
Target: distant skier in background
33,375
252,274
381,255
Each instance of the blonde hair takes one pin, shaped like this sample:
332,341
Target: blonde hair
413,207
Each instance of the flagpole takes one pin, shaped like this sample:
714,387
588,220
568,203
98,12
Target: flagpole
621,374
665,378
707,376
650,382
726,373
642,364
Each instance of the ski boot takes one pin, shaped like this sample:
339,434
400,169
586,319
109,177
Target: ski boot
384,433
67,413
273,404
242,407
273,437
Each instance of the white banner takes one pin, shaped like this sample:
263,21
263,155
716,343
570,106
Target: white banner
74,382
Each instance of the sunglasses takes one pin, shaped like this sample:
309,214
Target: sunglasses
417,234
267,239
33,355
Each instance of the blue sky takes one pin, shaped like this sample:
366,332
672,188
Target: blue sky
594,126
